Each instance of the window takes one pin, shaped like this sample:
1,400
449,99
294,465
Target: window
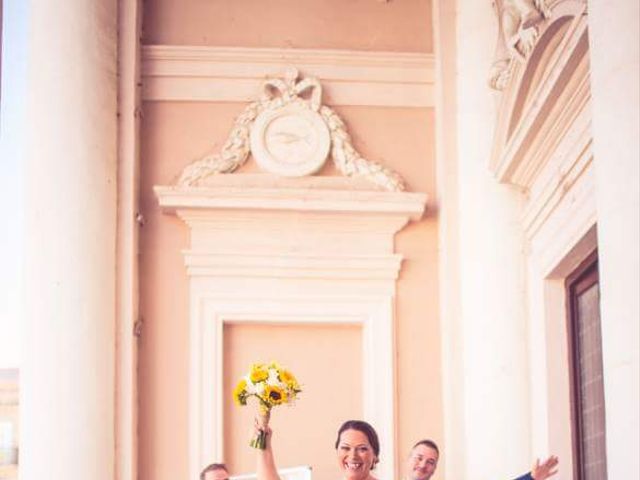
583,301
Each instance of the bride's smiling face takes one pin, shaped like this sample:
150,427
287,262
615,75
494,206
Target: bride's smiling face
355,455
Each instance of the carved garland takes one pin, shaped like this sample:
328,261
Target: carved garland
276,94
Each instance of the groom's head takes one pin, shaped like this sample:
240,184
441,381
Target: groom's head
422,461
215,471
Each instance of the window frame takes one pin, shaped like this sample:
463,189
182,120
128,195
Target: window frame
585,276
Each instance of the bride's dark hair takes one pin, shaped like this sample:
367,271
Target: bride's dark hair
368,430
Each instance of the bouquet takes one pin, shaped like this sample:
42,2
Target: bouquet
271,385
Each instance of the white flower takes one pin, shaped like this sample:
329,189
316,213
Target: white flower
273,378
250,388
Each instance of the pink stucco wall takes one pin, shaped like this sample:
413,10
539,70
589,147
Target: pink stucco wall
397,25
175,133
327,359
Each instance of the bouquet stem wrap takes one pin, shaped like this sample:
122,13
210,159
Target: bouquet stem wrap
260,440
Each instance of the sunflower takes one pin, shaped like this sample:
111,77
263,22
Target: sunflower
259,373
240,392
287,377
274,395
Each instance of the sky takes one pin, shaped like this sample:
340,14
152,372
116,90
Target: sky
12,137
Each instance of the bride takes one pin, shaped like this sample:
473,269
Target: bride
357,451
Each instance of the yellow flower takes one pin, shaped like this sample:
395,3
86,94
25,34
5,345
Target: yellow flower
274,395
258,373
287,377
240,393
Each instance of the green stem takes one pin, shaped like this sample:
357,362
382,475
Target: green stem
259,441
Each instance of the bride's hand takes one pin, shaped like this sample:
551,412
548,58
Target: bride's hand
259,426
261,429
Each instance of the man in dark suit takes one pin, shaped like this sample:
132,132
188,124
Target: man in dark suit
423,462
541,471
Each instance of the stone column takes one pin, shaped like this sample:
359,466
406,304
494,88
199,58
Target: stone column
452,462
614,53
67,375
489,345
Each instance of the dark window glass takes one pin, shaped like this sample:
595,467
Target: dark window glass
583,295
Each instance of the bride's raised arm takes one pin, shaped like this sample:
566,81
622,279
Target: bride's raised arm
266,465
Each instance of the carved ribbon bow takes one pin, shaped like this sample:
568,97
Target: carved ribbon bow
291,88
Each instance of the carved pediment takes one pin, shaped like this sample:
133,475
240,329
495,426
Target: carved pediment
290,133
545,90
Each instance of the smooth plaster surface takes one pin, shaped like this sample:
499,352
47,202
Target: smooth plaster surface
371,25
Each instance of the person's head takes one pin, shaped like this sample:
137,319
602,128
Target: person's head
357,449
422,461
215,471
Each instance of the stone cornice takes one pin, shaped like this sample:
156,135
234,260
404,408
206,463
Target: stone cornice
573,159
264,192
234,74
176,198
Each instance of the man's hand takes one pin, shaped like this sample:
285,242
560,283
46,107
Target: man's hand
541,471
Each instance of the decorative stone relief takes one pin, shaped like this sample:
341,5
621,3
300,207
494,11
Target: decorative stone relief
289,132
543,97
290,141
518,22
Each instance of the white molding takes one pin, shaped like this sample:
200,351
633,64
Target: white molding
410,205
210,313
571,219
552,131
566,244
235,74
567,164
556,221
302,250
